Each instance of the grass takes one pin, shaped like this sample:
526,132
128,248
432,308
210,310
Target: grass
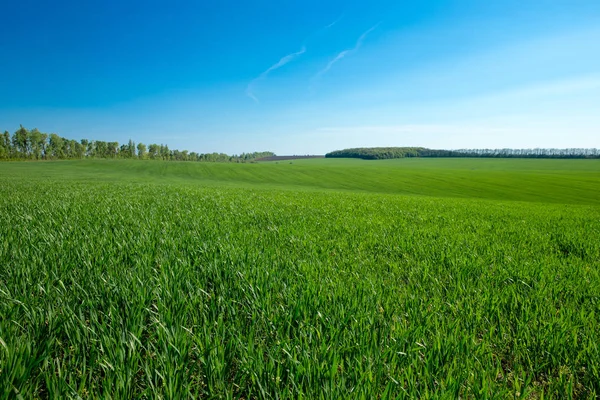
317,279
557,181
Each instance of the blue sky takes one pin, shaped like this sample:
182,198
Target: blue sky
305,77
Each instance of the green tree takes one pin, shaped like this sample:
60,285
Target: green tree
141,151
100,149
5,147
85,143
165,153
112,149
154,151
19,141
91,148
131,149
6,143
37,144
43,144
67,148
123,151
77,149
55,146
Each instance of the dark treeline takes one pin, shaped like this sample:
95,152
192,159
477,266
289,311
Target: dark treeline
381,153
32,144
377,153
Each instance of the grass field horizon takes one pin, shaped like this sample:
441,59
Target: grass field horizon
325,279
534,180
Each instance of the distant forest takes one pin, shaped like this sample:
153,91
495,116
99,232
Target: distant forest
32,144
381,153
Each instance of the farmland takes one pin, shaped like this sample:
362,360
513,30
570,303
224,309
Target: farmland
319,278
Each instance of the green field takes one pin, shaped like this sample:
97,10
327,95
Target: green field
554,181
411,278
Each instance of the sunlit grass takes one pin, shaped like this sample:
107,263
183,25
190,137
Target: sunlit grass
139,287
554,181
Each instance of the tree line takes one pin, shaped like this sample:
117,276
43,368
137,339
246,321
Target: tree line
25,144
381,153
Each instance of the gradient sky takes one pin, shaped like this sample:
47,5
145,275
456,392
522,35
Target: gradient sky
305,77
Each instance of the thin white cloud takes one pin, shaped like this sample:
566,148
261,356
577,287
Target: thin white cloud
334,22
250,94
344,53
283,61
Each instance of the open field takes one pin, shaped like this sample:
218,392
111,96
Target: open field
554,181
477,278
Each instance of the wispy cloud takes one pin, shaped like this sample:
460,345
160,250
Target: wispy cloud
344,53
334,22
283,61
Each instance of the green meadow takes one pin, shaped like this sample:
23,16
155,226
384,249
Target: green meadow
537,180
315,279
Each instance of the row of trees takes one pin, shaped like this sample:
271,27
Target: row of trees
530,153
380,153
32,144
377,153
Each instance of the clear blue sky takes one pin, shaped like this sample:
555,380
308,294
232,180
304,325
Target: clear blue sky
304,77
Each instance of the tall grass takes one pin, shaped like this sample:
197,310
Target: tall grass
128,290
